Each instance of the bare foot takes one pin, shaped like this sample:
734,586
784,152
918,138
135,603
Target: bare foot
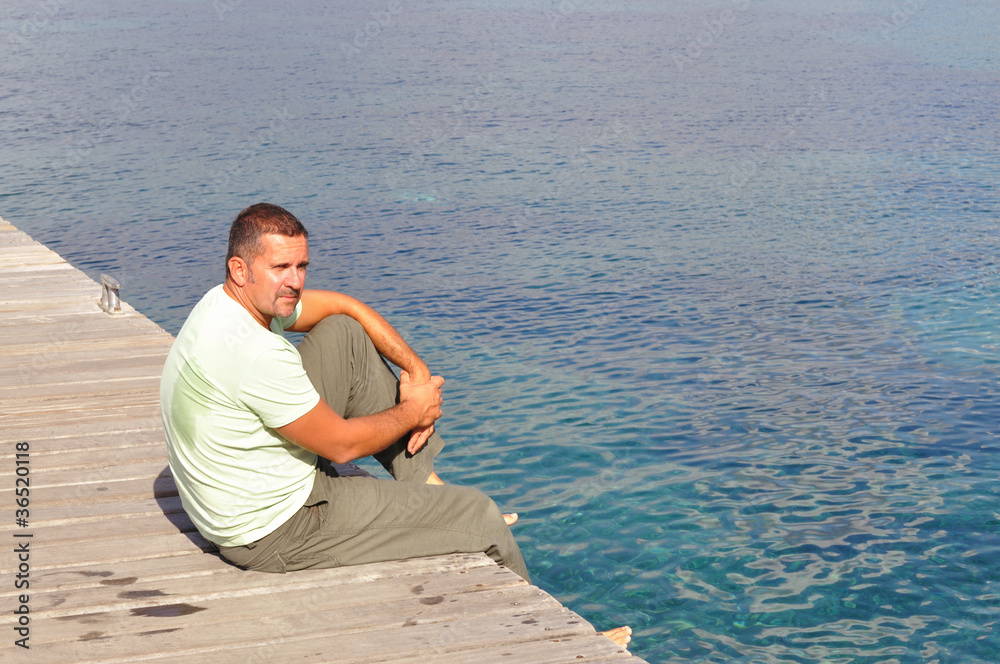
620,635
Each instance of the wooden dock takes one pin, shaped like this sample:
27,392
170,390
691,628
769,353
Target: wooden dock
106,567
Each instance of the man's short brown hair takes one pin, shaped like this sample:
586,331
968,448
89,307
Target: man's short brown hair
255,222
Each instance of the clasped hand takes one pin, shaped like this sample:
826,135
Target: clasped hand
427,395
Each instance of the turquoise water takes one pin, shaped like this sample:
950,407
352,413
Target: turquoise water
714,284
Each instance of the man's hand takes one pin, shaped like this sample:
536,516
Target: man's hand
427,396
418,437
419,373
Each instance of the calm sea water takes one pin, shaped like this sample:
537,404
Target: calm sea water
714,284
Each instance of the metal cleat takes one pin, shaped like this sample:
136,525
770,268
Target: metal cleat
111,303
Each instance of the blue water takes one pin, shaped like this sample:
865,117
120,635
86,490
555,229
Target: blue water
714,284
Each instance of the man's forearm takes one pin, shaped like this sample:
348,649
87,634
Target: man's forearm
326,433
341,440
390,343
317,305
371,434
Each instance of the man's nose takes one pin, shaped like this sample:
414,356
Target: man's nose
296,278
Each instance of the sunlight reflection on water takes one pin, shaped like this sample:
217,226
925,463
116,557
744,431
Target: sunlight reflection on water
721,330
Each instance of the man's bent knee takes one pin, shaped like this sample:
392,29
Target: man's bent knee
338,326
333,336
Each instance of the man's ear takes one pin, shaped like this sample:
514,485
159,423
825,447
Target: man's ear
239,271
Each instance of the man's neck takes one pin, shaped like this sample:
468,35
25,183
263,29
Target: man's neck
236,294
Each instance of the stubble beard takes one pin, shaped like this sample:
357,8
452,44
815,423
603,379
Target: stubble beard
279,303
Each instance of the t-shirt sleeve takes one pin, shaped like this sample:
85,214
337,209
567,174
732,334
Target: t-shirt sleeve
276,387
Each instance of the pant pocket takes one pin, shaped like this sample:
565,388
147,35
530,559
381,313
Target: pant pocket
257,558
308,545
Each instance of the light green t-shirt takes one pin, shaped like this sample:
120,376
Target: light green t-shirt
226,385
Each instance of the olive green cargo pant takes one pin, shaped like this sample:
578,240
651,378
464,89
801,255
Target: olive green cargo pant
355,520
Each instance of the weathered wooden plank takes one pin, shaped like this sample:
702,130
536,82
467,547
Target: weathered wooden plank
46,272
106,492
67,579
51,384
102,329
10,246
12,237
80,308
43,272
378,643
69,350
89,316
54,386
384,583
95,486
114,601
31,283
578,649
28,242
25,284
588,648
70,353
208,622
42,423
27,291
87,396
76,436
179,569
70,344
109,528
68,514
82,364
71,407
44,466
104,388
144,612
67,483
25,318
26,256
123,549
52,296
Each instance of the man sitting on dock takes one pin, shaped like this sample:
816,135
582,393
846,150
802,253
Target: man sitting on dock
252,423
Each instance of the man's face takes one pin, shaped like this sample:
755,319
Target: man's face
278,275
